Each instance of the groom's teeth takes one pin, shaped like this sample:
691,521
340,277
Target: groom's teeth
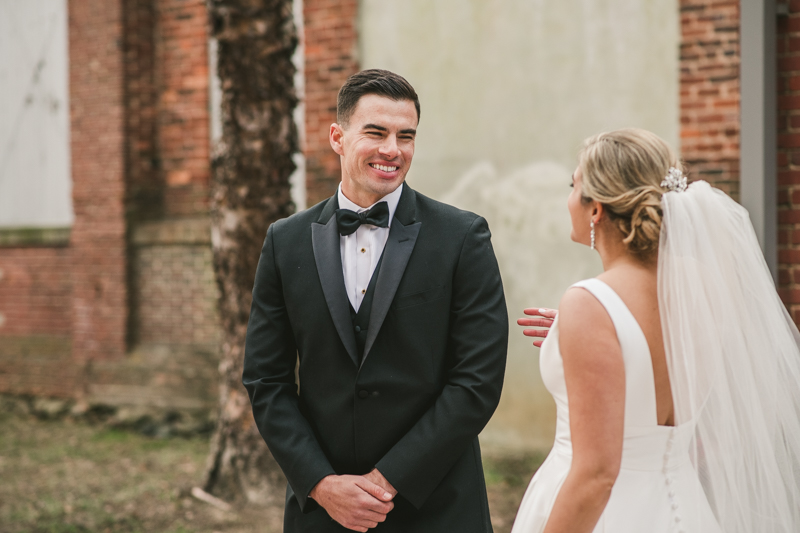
385,168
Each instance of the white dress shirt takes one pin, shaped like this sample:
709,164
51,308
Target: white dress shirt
362,250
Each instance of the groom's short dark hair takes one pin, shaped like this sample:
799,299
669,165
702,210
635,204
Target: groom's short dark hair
372,81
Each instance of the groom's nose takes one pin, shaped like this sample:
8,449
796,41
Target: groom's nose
388,147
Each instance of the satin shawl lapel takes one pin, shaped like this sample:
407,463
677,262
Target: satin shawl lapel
402,238
328,256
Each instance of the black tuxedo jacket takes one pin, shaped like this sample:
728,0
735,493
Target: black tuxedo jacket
428,381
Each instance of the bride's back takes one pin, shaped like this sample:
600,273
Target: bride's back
637,286
618,190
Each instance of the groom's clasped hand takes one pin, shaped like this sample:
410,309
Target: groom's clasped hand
356,502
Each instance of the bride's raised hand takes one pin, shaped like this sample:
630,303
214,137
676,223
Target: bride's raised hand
543,319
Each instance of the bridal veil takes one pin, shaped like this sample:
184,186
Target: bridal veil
734,361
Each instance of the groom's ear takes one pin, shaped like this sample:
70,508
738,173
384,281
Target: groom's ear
335,137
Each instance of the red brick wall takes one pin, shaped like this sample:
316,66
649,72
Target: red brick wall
178,295
138,81
788,48
182,118
79,291
36,325
176,292
331,44
709,85
710,117
39,365
96,82
35,292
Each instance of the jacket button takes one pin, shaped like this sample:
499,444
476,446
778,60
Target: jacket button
358,329
363,394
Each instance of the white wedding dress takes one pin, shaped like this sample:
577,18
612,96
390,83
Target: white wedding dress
657,490
732,464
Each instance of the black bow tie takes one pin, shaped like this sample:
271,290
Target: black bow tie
349,221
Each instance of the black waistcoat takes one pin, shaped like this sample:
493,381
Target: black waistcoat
361,319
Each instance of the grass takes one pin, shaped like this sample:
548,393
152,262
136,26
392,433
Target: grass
62,476
507,477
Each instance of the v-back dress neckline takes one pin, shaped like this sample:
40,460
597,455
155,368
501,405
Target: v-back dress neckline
635,353
657,488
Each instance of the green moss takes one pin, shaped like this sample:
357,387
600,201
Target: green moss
13,237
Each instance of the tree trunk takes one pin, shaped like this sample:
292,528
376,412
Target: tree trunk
250,189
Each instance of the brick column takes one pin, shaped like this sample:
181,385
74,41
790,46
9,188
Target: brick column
710,92
145,188
166,104
99,307
788,49
331,43
183,118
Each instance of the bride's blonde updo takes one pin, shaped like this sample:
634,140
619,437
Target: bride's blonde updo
623,170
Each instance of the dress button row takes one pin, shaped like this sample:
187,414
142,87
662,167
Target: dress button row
670,481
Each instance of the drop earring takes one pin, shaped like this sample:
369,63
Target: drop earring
591,225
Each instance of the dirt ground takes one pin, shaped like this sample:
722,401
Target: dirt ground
65,476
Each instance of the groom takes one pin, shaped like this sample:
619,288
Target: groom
394,305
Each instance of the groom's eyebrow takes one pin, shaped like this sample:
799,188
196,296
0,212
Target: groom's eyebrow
411,131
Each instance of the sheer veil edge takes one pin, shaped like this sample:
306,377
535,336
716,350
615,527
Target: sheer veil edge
733,354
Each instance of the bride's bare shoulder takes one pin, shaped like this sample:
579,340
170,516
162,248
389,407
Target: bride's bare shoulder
588,342
582,316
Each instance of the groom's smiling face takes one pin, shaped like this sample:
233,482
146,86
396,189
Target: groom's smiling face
376,146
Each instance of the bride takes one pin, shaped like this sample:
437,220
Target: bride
676,372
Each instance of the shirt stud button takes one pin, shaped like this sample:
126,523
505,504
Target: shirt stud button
363,291
363,250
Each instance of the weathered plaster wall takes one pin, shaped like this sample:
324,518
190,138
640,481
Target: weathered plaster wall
509,90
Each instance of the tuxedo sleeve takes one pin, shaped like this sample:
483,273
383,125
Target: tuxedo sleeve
477,346
269,377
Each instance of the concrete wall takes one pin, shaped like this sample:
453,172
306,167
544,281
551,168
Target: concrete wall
509,90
